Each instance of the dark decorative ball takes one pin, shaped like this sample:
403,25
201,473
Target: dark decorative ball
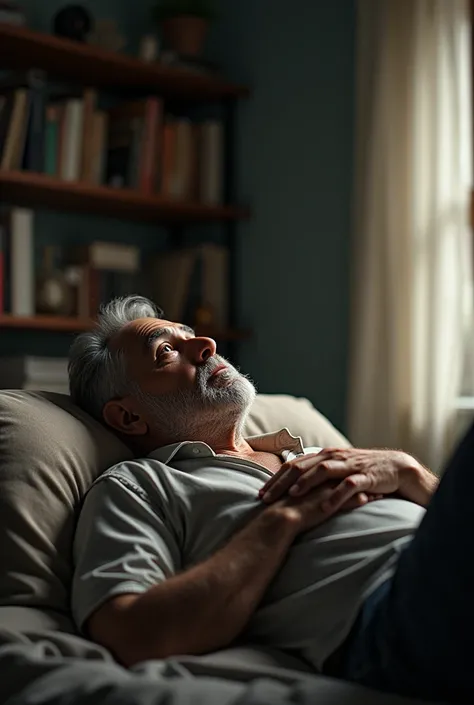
73,22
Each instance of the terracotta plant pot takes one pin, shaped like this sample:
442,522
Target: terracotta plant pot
185,34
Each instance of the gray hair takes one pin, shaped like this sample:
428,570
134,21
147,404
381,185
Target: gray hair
96,373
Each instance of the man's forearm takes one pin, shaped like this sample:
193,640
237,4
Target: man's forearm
207,606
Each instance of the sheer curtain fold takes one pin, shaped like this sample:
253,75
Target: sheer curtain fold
412,281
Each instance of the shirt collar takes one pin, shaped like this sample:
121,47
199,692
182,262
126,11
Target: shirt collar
280,442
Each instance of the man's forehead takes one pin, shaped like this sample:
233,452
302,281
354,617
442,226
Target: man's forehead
134,332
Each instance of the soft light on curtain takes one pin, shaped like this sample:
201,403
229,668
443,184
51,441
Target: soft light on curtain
412,282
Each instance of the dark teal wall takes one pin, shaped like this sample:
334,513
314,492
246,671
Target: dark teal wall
294,169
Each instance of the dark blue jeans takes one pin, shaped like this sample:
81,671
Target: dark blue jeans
415,634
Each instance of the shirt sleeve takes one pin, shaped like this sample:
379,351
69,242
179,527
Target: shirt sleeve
124,543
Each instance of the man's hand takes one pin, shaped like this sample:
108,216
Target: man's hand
373,472
318,504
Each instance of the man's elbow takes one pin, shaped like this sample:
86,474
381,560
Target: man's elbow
115,627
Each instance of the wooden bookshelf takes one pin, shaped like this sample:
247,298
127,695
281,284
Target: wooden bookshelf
73,324
22,48
24,188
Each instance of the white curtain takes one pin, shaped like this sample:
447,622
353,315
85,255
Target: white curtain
412,283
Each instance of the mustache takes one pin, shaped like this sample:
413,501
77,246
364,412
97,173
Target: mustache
205,370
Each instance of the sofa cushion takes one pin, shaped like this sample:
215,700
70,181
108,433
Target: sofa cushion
50,453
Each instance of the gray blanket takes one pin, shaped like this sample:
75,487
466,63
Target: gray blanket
53,668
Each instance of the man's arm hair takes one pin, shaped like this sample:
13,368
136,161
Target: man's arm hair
204,608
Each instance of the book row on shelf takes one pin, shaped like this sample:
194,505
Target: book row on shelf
189,284
135,144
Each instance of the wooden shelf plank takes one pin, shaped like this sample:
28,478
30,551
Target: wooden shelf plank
23,188
51,323
73,324
22,48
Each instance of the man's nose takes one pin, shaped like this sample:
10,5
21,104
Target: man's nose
201,349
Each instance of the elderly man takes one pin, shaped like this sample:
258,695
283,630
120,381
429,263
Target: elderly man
207,536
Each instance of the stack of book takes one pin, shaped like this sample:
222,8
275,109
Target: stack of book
59,132
155,153
35,373
134,144
95,272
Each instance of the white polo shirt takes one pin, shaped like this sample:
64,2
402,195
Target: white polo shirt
145,520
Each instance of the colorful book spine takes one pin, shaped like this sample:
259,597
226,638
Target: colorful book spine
34,150
168,158
16,130
71,151
51,140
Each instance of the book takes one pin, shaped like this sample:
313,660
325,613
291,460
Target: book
29,149
185,158
179,159
71,147
170,279
21,138
134,145
61,108
51,140
88,291
90,100
108,255
99,140
150,146
33,158
168,158
22,263
211,164
137,128
215,281
5,118
16,131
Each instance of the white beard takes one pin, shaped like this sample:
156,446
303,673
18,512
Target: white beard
205,410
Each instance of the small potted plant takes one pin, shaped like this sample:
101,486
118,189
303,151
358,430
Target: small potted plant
184,24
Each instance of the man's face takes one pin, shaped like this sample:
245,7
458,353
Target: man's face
180,384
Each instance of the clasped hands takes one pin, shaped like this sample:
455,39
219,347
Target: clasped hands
348,478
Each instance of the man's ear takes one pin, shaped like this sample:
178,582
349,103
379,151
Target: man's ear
121,415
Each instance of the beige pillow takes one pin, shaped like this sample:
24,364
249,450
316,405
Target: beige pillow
271,412
50,453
